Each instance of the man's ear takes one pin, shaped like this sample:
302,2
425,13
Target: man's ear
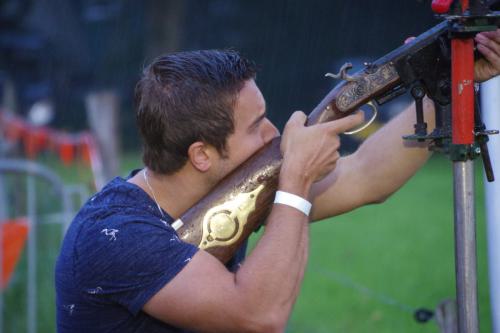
200,156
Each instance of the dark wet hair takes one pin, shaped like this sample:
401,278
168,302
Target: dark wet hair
187,97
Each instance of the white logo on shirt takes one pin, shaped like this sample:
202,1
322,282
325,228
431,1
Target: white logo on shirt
111,233
70,308
95,291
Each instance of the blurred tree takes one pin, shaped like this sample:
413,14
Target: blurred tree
164,26
20,66
101,45
83,50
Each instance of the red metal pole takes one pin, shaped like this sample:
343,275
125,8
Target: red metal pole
462,76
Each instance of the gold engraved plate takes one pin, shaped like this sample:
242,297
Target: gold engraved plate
361,87
223,224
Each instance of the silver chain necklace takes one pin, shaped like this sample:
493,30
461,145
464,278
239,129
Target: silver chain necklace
145,175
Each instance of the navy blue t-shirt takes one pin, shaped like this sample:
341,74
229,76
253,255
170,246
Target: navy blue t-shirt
118,252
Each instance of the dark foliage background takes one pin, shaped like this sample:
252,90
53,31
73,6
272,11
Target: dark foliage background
63,49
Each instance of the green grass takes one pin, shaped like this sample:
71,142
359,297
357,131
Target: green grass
49,237
367,270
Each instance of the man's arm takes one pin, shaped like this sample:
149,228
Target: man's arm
383,163
206,297
259,297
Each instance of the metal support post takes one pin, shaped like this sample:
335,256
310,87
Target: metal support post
465,247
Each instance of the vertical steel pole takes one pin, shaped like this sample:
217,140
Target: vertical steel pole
465,247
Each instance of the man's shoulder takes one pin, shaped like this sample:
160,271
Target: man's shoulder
116,194
113,220
118,202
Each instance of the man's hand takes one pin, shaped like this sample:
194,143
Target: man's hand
310,153
488,44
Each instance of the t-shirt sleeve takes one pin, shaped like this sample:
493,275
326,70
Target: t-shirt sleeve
128,261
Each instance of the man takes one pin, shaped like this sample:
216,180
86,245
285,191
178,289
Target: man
122,267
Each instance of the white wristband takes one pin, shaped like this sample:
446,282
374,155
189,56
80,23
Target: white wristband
294,201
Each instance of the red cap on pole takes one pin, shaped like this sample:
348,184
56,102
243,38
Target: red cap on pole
441,6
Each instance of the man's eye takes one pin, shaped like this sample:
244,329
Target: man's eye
254,127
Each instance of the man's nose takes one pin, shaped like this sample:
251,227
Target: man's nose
270,131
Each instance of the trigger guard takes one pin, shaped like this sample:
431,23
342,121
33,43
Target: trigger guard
372,119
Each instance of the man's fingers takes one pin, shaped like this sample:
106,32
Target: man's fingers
298,118
491,55
488,42
344,124
495,35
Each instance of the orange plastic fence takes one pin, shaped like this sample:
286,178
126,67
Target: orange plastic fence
13,235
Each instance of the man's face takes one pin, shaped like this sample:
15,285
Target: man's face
252,130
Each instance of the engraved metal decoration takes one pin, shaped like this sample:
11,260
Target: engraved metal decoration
374,115
223,224
361,87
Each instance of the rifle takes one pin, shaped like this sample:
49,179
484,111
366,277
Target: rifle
221,221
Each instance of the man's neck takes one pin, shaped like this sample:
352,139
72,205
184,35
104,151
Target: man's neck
174,193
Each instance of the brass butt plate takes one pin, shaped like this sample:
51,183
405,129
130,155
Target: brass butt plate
224,224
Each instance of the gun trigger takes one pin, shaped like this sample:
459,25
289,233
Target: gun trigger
372,119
